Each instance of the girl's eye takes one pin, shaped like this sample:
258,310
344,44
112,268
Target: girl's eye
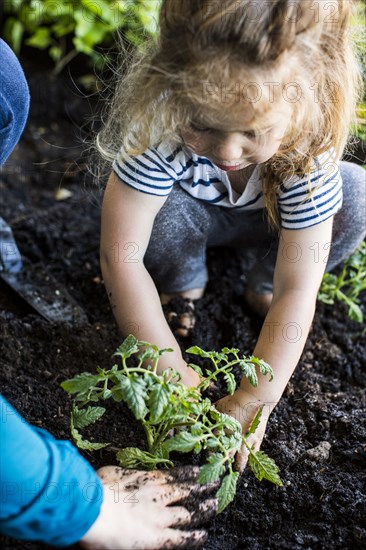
199,129
251,134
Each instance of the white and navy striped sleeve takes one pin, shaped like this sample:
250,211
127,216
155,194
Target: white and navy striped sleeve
312,200
153,172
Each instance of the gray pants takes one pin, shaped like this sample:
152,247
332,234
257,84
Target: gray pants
185,227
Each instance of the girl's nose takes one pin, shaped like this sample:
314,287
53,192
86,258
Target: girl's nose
228,149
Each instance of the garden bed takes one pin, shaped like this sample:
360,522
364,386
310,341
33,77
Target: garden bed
322,502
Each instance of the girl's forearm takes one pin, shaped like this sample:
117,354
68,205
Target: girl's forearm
137,309
281,342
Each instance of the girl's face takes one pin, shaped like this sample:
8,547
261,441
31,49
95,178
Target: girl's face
235,145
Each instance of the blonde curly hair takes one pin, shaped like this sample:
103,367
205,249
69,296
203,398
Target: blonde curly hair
205,43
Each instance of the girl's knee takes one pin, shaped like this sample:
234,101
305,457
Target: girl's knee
183,221
354,196
349,228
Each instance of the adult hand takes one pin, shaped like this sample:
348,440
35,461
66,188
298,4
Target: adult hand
142,510
244,407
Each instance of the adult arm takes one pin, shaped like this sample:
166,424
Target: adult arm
49,492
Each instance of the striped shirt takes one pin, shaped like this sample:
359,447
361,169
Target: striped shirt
156,171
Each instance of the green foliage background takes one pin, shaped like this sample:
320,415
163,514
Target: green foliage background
67,27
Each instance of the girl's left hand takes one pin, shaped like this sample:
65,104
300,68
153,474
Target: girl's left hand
244,407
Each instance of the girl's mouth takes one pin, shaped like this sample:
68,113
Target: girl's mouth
229,168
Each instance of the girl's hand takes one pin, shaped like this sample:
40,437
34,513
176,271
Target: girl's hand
244,407
189,377
142,510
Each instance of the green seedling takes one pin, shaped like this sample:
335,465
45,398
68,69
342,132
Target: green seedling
174,417
347,286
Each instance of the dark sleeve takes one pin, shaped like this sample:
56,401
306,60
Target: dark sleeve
49,492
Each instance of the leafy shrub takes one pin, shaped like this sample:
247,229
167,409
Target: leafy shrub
347,286
162,405
88,23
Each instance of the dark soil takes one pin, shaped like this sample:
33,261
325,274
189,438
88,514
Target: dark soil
322,503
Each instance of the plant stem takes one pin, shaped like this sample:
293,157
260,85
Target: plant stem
218,370
64,61
149,436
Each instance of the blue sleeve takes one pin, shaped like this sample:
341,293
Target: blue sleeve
14,101
49,492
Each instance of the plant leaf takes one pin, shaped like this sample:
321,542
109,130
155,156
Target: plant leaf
230,350
229,422
196,368
133,457
195,350
128,347
183,442
248,370
230,382
213,470
158,401
264,467
264,367
84,443
255,423
81,383
85,417
227,491
133,391
355,313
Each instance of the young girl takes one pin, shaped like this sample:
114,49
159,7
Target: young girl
228,131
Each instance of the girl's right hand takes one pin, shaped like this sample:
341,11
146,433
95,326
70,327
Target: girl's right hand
189,377
243,407
138,512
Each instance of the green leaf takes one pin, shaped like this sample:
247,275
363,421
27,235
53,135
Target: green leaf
229,422
55,52
158,401
40,39
128,347
213,470
355,313
196,368
197,429
195,350
84,443
81,383
133,391
264,367
230,350
133,457
85,417
230,382
255,422
13,32
227,491
12,5
212,444
249,371
219,356
264,467
148,354
183,442
100,10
